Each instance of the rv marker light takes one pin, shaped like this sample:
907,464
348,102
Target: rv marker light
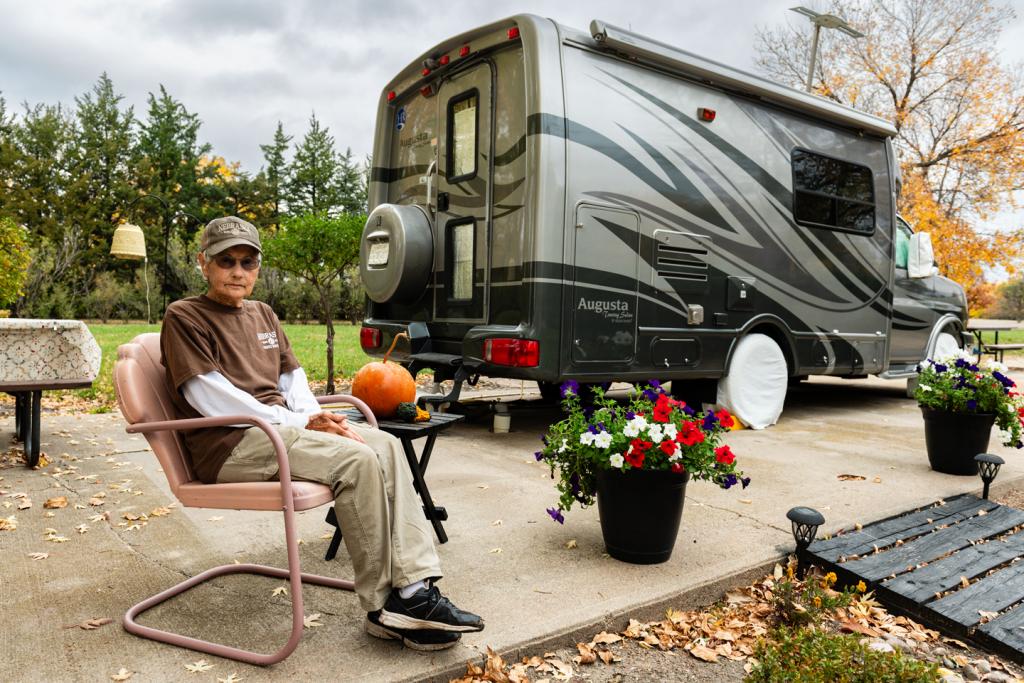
513,33
426,72
444,60
426,91
706,114
464,51
369,338
516,353
391,95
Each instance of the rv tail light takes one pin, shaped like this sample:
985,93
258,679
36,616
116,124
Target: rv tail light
464,51
516,353
513,33
445,60
426,91
426,72
391,95
369,338
706,114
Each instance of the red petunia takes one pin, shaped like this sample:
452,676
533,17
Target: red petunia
725,418
636,458
690,434
724,455
663,412
669,447
677,467
639,445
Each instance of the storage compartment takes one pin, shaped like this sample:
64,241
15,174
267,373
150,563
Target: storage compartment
672,353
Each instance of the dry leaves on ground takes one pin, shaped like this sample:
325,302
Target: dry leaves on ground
199,667
312,621
38,556
122,675
58,502
90,624
233,678
9,524
280,590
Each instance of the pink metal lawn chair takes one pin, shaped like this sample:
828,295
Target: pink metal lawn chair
140,382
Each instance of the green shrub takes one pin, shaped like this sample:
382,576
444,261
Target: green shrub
815,656
797,603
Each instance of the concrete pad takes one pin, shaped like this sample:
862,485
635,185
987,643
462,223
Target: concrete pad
534,594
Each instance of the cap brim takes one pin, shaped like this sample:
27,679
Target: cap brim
227,244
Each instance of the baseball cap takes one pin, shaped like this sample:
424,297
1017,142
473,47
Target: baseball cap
229,231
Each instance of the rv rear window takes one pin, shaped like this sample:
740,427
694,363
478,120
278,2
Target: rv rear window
461,237
831,193
462,126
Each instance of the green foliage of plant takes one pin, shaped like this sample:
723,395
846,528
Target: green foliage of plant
653,431
959,385
14,260
800,603
812,655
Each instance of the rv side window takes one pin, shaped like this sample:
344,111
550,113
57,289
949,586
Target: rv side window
831,193
462,128
461,239
903,233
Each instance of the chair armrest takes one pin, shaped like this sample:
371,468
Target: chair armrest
351,400
284,471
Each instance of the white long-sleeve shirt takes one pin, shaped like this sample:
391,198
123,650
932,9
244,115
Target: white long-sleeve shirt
213,396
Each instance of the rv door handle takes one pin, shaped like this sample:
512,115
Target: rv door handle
430,181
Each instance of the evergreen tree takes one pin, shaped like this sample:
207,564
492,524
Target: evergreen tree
276,173
37,195
313,188
351,185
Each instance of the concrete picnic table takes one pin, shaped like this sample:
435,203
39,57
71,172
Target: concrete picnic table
43,355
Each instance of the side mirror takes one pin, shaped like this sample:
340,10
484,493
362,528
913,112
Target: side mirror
920,257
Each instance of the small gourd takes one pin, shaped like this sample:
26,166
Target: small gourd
383,386
408,412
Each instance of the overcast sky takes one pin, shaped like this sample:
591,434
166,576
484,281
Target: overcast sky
243,65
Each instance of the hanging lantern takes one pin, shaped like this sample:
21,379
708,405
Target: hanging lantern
129,243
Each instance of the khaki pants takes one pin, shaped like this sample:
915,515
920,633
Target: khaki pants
379,514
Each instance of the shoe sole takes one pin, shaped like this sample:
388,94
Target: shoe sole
387,634
412,624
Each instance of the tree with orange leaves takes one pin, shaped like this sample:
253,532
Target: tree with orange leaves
930,68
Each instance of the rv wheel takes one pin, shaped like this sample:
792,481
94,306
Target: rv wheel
755,387
550,391
396,254
945,345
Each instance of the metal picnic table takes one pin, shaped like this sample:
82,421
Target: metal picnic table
978,326
43,355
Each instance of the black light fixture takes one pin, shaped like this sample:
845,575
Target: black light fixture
989,466
805,526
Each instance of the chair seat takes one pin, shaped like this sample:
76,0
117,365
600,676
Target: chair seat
257,495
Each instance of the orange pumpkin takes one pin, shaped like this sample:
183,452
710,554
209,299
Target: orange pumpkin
382,386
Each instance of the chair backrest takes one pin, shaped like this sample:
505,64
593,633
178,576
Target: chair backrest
143,394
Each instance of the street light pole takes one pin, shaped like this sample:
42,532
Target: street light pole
823,21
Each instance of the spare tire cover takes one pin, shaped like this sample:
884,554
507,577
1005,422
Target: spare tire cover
396,254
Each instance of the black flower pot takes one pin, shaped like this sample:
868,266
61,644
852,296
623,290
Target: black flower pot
953,439
640,512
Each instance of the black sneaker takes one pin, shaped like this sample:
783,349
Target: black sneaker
426,640
427,609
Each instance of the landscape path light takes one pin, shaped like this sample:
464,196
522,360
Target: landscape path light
989,466
821,21
805,526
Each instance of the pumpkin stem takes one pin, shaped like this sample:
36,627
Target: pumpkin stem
400,334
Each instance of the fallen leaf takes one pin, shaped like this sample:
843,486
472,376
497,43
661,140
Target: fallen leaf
606,638
587,655
850,477
160,512
56,539
39,556
24,504
982,512
701,652
91,624
484,487
280,590
199,667
79,507
496,522
572,544
496,551
878,480
494,668
747,502
327,536
81,528
122,675
58,502
214,519
95,501
9,524
312,621
233,678
606,656
856,627
988,615
49,514
100,494
130,517
964,583
97,518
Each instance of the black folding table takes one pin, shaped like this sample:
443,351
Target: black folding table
27,409
407,432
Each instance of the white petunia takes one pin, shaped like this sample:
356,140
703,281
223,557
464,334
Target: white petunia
631,430
586,438
565,444
603,439
654,433
640,421
993,365
1005,437
617,461
925,387
675,456
670,431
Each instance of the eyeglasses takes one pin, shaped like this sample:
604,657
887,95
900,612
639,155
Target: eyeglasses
228,263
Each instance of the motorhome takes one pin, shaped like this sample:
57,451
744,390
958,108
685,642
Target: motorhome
548,203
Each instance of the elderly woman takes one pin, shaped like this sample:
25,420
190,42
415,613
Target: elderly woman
226,356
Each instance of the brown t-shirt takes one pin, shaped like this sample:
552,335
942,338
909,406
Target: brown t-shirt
246,345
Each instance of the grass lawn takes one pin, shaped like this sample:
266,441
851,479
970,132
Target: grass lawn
308,341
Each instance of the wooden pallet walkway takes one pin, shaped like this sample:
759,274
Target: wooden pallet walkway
913,560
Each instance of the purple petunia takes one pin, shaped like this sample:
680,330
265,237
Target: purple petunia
972,404
654,384
539,455
630,414
745,481
570,388
727,481
556,515
650,395
940,368
710,421
545,440
690,412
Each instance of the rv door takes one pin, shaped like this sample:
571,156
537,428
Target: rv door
461,273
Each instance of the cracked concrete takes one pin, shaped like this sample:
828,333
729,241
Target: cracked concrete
536,594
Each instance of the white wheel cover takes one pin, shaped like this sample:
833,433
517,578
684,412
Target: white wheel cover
755,387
